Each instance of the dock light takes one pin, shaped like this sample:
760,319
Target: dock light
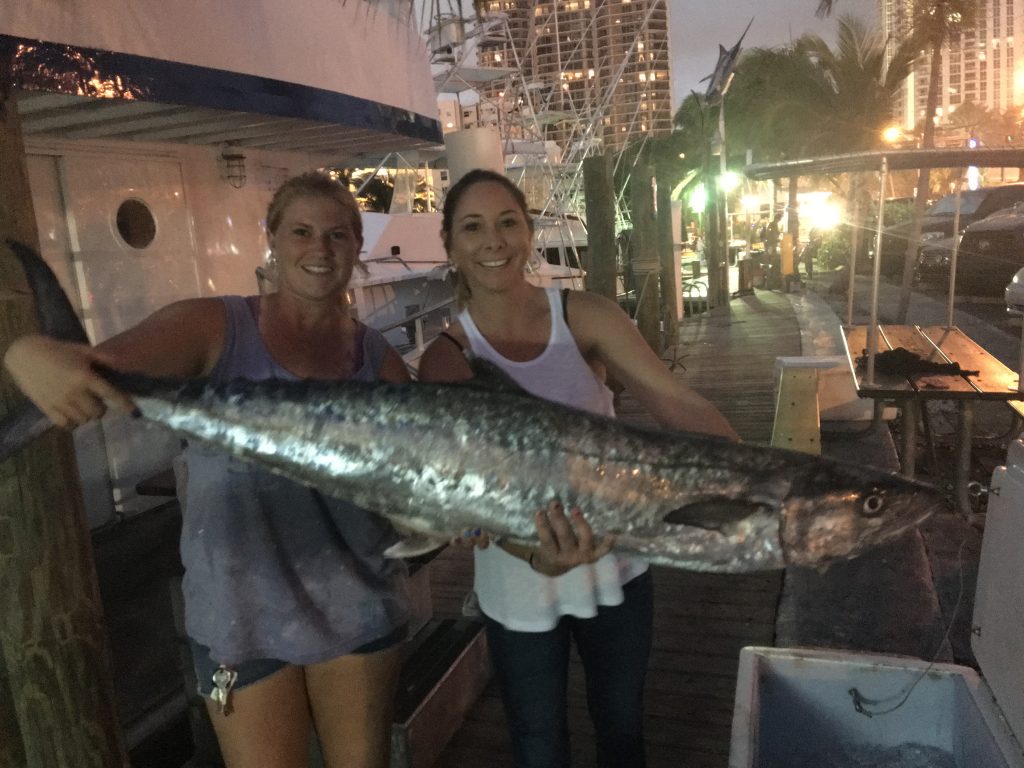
698,198
819,211
892,134
728,181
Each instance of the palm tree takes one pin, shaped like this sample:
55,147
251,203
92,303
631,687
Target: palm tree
805,99
933,24
863,85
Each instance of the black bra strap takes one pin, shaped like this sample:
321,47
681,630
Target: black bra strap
453,340
565,305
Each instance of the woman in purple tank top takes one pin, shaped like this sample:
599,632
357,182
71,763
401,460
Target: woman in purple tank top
344,687
534,605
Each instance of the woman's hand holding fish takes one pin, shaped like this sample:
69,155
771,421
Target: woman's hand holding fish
60,379
564,542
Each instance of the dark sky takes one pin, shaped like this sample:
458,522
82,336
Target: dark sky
697,27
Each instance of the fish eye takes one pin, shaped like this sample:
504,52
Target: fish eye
872,505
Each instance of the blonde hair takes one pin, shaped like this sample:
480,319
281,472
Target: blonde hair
313,184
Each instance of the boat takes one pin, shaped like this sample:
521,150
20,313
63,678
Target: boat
153,145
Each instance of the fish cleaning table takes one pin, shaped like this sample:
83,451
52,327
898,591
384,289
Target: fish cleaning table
981,377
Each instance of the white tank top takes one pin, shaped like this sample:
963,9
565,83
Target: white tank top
508,590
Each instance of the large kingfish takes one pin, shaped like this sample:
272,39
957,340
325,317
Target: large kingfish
438,459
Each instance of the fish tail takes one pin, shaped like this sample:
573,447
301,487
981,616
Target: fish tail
57,319
20,427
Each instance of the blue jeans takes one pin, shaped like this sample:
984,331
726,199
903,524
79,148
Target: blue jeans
533,668
255,670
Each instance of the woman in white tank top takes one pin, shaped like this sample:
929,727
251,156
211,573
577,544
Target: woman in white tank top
537,601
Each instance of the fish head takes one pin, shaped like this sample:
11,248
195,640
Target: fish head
838,511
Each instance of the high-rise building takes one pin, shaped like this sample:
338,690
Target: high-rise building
588,71
979,65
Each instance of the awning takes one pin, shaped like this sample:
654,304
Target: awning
338,80
897,160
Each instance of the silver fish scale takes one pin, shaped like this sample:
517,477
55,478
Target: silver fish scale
439,459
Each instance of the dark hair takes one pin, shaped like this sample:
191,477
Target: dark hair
451,201
313,184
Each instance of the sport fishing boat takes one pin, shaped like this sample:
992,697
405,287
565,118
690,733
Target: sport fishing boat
155,134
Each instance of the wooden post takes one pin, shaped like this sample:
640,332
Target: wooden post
645,255
56,696
599,192
669,263
712,241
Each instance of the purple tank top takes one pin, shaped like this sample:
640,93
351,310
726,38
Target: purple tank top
274,569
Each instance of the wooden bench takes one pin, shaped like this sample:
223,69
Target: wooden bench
982,377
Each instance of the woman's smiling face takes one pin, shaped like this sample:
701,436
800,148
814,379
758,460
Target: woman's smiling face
316,247
490,237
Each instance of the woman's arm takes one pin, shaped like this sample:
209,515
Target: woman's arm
603,330
392,367
181,340
444,362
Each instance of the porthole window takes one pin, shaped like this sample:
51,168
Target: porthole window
135,223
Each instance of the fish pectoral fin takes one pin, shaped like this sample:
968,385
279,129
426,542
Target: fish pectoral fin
714,514
414,544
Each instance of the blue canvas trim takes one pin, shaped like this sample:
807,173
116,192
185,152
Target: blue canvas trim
37,65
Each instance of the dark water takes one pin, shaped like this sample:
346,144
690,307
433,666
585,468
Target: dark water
868,756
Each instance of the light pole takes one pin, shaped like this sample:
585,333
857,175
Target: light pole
723,197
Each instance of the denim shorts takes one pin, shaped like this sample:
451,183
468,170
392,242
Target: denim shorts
253,671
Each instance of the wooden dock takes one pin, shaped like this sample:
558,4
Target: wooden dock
701,620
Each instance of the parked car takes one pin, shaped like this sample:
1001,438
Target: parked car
975,204
991,253
933,261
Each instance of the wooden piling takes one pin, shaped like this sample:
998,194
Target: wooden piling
56,695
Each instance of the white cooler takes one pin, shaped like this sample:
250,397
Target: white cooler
794,708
